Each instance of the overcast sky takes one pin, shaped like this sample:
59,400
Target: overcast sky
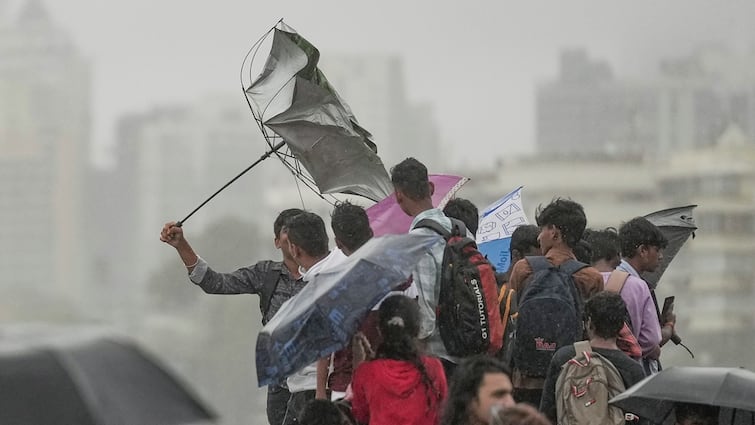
476,62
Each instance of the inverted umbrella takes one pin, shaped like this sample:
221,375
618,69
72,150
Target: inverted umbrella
677,225
730,388
99,382
322,317
387,218
293,98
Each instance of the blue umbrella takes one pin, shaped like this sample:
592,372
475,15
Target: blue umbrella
323,316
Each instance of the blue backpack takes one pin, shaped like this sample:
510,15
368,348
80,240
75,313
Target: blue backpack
550,315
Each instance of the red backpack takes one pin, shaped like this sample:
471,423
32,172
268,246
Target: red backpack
468,315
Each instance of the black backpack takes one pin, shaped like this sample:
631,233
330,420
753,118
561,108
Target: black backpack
550,315
467,315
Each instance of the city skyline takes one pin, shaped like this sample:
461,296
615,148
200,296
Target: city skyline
472,66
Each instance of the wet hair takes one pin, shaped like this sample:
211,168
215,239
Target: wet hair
307,231
605,244
567,216
607,311
520,414
583,251
639,231
410,177
282,218
398,321
465,386
350,224
696,414
464,210
322,412
524,237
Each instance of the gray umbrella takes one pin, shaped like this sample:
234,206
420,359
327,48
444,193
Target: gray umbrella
677,224
293,98
653,398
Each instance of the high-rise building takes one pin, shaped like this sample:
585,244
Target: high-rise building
44,154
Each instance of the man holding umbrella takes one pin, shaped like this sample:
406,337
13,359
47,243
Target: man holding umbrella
274,281
642,245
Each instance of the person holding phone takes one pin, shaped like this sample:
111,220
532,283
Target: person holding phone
642,245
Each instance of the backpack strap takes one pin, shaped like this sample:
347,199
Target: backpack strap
538,262
582,350
269,285
457,227
616,281
572,266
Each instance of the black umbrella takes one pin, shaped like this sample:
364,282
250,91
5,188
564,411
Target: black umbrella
677,224
653,398
94,382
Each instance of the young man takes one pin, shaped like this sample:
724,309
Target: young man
604,318
308,244
351,228
642,246
275,280
480,385
413,195
561,224
464,211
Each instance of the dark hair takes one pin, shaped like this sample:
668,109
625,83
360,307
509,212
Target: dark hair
605,244
464,210
607,311
639,231
350,224
322,412
696,414
282,218
465,386
524,237
398,321
519,414
307,231
567,216
410,177
583,251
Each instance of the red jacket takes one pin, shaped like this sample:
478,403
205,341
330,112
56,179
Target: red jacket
391,392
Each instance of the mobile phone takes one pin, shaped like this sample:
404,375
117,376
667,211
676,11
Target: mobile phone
668,305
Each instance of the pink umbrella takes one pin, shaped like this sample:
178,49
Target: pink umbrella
386,217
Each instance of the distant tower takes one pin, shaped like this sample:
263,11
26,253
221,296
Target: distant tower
44,151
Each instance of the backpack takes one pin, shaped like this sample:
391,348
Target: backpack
467,315
626,341
550,315
583,388
509,310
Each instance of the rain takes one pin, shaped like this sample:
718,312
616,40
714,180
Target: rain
119,116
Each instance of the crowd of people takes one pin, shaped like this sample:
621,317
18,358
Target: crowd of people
396,370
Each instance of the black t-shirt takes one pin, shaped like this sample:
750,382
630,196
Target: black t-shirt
630,370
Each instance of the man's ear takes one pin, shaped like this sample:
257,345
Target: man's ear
277,243
432,187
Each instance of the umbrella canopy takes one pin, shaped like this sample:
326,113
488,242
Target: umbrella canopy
323,316
653,398
677,224
94,382
387,218
293,98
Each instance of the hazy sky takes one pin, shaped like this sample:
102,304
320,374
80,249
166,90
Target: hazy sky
477,62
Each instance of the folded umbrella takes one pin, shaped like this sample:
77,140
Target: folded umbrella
323,316
677,225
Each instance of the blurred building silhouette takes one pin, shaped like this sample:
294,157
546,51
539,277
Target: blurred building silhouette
375,88
44,155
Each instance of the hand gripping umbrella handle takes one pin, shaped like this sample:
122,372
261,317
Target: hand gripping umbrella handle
262,158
